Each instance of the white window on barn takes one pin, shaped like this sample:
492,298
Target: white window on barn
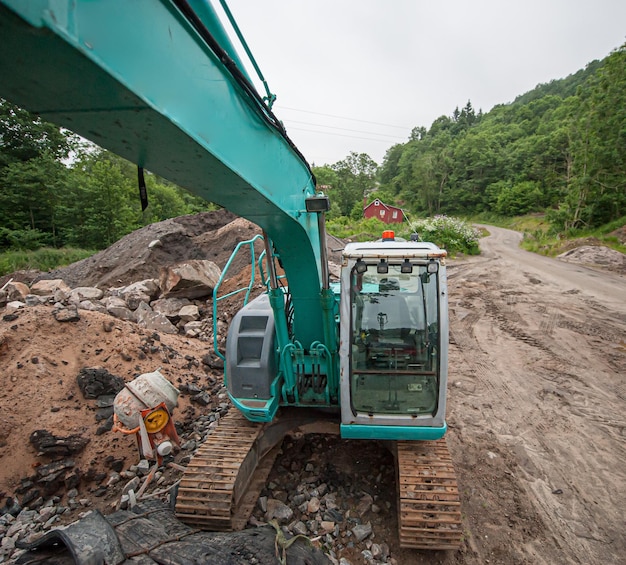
395,214
382,212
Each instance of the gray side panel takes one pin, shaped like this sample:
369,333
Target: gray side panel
250,351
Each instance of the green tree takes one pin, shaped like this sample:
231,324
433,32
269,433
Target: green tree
605,171
519,199
163,202
103,204
30,193
326,178
356,175
24,136
32,176
390,169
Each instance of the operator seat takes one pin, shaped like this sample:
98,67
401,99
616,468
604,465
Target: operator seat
392,310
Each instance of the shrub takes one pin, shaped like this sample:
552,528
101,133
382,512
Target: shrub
23,239
365,229
449,233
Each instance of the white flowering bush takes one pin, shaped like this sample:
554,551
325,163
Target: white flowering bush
452,234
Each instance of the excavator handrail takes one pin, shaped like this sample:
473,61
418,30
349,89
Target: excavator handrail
248,288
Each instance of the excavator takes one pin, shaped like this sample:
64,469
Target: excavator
160,83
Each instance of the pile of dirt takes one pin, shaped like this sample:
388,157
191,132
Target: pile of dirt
42,360
591,252
141,254
40,357
596,256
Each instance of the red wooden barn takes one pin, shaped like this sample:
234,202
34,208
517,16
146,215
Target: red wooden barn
384,212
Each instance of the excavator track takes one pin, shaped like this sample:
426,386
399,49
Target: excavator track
223,480
429,513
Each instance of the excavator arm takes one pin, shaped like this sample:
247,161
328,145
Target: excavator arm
158,83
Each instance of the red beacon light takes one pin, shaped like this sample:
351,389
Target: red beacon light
389,235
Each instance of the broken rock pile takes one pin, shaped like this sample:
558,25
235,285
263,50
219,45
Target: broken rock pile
174,303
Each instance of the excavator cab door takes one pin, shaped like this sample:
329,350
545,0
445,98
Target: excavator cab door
395,342
394,348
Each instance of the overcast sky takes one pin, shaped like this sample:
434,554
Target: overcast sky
358,75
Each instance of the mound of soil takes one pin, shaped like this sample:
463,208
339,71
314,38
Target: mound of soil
40,362
141,254
596,256
45,413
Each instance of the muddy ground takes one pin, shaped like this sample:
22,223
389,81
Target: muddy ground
536,409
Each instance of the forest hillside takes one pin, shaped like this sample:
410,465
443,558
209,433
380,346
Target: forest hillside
560,148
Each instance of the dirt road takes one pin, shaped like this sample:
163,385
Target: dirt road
537,407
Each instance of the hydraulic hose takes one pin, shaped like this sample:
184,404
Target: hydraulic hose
187,11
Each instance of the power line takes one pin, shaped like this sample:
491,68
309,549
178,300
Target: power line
343,118
340,135
345,129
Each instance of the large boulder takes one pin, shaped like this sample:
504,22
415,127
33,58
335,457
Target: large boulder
169,307
67,313
85,293
17,291
142,291
95,306
191,279
189,313
117,307
14,305
48,287
154,321
147,286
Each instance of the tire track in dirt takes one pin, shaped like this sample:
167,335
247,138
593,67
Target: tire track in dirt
497,509
530,373
550,320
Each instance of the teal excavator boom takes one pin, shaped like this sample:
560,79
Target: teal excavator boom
159,83
141,79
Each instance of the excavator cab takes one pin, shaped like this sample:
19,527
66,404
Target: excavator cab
393,340
393,348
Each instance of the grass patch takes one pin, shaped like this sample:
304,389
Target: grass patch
552,244
43,259
529,222
539,236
